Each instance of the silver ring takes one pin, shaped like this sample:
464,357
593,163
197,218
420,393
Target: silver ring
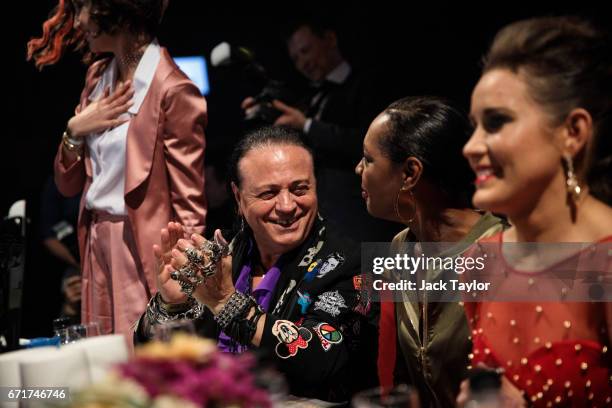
193,256
202,263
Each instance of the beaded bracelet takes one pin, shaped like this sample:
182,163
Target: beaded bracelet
237,306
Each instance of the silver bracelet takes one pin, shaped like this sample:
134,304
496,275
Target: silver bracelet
159,312
237,305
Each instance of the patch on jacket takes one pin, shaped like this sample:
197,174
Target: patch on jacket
328,335
331,303
283,297
291,338
320,268
311,253
364,303
304,301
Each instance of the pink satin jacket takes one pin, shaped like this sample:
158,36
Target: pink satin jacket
164,171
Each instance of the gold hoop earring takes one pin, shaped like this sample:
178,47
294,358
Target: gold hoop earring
573,188
396,206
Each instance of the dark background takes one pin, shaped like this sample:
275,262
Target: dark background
426,47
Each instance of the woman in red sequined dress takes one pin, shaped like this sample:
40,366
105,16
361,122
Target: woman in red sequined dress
542,154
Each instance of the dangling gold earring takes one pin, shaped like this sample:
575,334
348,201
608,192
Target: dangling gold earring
573,188
397,211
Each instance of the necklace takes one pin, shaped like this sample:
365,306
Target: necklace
130,60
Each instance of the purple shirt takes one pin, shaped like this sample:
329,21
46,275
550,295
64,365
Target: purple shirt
263,296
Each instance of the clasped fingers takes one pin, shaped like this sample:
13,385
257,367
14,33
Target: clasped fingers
192,265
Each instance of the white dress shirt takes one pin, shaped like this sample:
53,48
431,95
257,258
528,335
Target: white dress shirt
107,150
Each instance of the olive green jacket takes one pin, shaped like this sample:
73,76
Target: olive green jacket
434,338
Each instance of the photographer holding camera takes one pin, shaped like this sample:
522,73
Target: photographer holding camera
337,113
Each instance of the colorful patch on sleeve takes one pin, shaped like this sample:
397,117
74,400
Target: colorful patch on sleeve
328,335
312,252
304,301
357,281
332,262
291,338
313,270
330,302
364,303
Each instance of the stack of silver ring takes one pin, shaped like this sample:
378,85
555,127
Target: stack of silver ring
201,264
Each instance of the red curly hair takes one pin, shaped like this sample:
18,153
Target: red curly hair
111,16
58,34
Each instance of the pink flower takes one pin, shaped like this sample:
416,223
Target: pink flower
196,373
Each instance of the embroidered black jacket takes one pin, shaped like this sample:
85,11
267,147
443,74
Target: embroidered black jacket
320,331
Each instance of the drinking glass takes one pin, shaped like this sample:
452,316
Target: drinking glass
78,331
165,331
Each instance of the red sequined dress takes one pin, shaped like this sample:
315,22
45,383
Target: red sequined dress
557,353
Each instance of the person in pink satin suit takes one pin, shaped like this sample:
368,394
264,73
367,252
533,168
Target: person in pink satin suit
134,148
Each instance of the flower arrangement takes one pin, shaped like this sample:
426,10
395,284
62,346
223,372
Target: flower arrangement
187,372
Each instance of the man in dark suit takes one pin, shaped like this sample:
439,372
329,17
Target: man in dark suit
334,120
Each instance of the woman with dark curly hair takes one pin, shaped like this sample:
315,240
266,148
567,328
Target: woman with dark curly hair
134,148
